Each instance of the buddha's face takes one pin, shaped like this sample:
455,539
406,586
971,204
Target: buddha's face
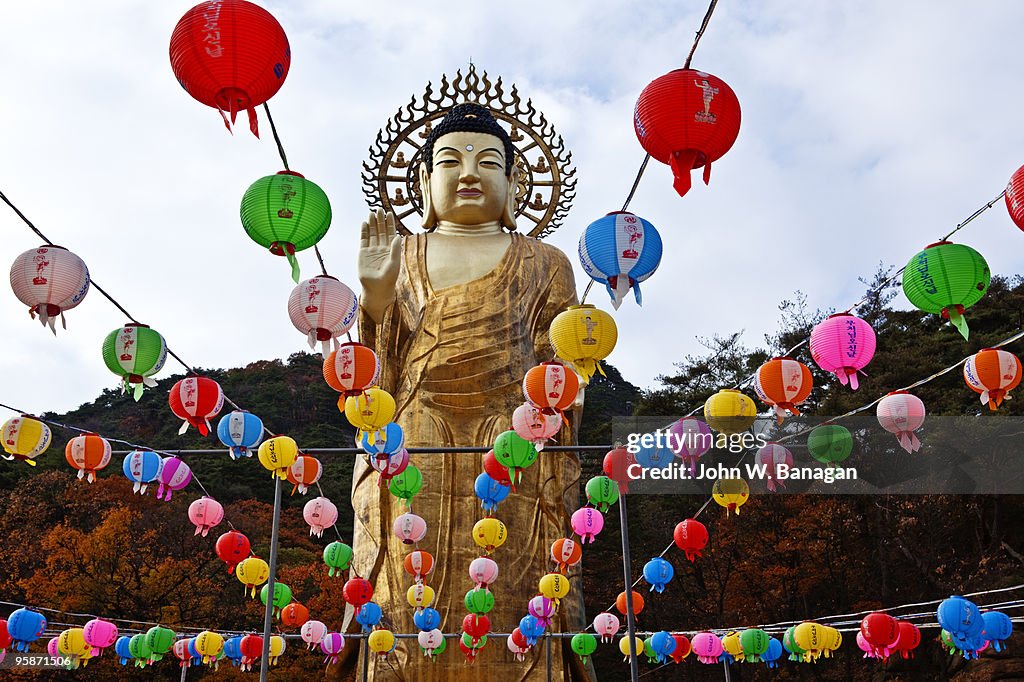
468,184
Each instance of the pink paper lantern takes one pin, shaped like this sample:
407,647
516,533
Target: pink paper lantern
320,513
606,625
902,413
863,645
689,439
49,280
332,644
410,528
707,647
533,425
843,344
205,513
389,466
430,640
313,632
100,634
771,456
174,475
541,608
483,571
323,309
587,522
53,647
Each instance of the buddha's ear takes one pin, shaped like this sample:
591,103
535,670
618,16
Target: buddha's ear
429,220
508,215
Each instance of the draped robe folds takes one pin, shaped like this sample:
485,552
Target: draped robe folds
454,359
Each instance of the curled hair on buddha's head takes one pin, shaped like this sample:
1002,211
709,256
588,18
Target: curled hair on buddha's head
469,117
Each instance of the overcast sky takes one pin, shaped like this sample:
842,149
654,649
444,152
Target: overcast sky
869,129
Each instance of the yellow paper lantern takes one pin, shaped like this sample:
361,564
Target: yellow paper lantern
381,642
730,493
583,336
278,454
277,647
555,586
812,638
71,642
252,572
369,412
833,640
489,534
638,646
730,411
420,595
732,646
209,645
25,438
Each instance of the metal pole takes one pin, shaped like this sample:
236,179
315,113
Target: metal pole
549,656
725,666
366,658
627,573
268,617
184,672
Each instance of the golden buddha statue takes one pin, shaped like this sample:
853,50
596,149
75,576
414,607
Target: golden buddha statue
457,316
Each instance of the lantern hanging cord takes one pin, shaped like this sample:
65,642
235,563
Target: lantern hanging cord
277,138
636,182
700,33
323,268
333,525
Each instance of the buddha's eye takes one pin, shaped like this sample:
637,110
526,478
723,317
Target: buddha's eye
492,164
447,163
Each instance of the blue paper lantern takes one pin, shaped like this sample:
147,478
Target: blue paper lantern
197,658
427,619
240,431
620,250
233,649
490,492
658,572
368,615
774,652
998,628
531,628
122,651
960,617
24,627
142,467
663,644
654,457
386,441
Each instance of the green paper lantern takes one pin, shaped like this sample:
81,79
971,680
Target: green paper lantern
406,484
159,641
652,656
139,650
515,453
468,641
135,353
754,642
337,556
830,444
286,213
584,645
282,597
602,492
946,279
789,643
479,601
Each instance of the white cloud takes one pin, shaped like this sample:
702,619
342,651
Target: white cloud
868,130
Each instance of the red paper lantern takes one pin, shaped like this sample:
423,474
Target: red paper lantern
231,55
908,639
196,400
616,467
357,592
682,649
496,470
881,631
1015,197
231,548
687,119
251,648
294,614
691,536
476,626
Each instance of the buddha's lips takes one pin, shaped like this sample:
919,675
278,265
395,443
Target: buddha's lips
469,193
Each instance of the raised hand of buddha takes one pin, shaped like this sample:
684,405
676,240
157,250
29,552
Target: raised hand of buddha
380,250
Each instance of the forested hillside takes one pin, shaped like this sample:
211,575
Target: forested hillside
100,549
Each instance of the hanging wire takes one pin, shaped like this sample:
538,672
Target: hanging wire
277,138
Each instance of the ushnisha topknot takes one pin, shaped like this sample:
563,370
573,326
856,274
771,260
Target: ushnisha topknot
470,118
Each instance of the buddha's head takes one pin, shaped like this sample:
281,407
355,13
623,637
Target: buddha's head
468,173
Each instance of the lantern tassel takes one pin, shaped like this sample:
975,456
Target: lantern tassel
137,390
957,319
618,287
295,265
681,163
311,339
183,429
